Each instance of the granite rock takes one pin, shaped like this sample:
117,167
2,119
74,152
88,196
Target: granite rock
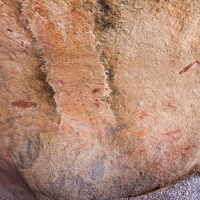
99,98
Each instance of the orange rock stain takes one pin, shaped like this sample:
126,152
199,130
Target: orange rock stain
173,133
139,134
143,114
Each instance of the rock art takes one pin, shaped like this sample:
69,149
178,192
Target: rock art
99,98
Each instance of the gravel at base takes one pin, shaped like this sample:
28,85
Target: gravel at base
188,189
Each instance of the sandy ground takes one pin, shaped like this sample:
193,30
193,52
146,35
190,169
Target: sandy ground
186,190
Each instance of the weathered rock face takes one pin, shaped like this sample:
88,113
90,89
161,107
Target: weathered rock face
100,98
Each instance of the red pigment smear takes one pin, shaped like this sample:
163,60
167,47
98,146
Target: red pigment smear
42,11
139,134
23,104
155,119
96,90
97,104
157,10
189,147
100,84
10,30
100,136
189,66
171,133
173,107
143,114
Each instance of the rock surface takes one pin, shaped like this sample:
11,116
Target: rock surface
100,98
188,189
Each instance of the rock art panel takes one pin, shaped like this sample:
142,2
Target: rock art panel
100,98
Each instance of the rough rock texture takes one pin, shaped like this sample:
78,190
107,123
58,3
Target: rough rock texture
100,98
186,190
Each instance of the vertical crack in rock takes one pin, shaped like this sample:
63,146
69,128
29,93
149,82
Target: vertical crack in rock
42,74
106,15
105,18
107,75
102,22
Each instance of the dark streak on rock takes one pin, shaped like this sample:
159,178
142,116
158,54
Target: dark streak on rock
10,30
96,90
11,120
24,104
104,6
42,76
31,146
189,66
107,15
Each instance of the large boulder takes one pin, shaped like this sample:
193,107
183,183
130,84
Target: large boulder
99,98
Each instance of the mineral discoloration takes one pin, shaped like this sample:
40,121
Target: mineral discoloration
98,171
